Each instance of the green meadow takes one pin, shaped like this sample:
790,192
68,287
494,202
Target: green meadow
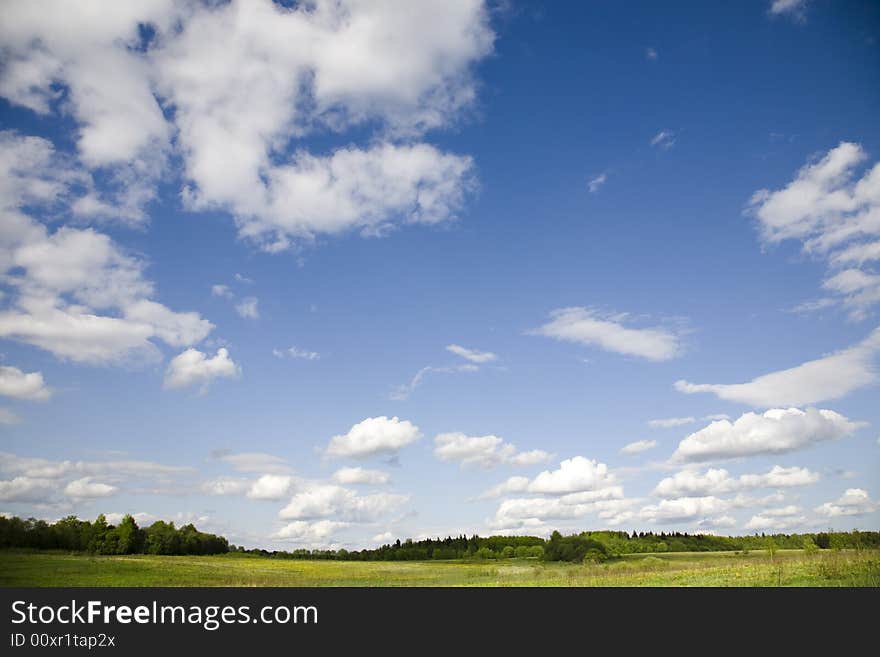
786,568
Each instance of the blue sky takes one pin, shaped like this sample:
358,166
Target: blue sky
334,273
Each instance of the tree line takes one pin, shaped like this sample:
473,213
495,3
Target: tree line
100,537
590,546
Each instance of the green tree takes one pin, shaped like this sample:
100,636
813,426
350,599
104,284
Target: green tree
810,547
130,536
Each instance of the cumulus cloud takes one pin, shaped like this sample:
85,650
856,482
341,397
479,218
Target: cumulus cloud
331,501
20,385
511,485
358,475
26,489
638,447
573,475
473,355
74,291
717,481
782,518
826,378
310,533
483,451
516,514
854,502
243,79
835,214
270,487
193,367
684,509
579,486
86,488
372,436
607,331
776,431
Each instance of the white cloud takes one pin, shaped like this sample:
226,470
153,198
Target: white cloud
472,355
226,486
74,292
589,327
779,477
511,485
296,352
664,139
330,501
403,392
142,518
719,521
776,431
836,216
683,509
595,184
248,308
532,512
270,487
344,64
384,537
780,519
46,481
254,462
40,468
638,447
651,53
244,78
793,8
483,451
221,291
310,533
7,417
666,423
573,475
358,475
86,488
374,435
854,502
826,378
193,367
85,63
21,385
26,489
689,483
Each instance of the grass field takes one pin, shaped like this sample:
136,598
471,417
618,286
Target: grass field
787,568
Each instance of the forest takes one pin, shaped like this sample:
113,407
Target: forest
100,537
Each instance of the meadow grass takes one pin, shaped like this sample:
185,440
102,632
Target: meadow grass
786,568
